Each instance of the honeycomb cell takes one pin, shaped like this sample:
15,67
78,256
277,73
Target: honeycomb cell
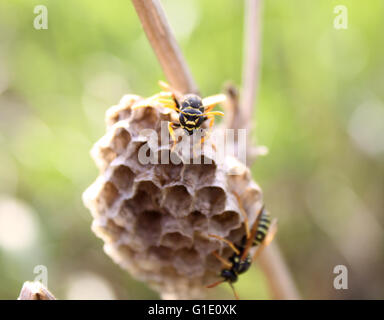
169,167
121,111
107,197
141,201
188,262
125,216
175,240
120,140
177,201
139,159
122,178
148,226
144,118
198,221
224,222
211,200
162,253
109,231
197,175
103,156
204,245
151,189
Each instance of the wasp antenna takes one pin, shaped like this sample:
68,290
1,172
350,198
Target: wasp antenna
222,260
229,243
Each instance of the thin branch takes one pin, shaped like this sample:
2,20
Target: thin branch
233,118
35,291
280,281
241,108
251,66
164,44
271,261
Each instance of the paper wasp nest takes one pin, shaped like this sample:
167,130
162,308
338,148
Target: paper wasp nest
154,218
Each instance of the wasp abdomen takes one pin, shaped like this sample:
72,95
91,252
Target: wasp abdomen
262,228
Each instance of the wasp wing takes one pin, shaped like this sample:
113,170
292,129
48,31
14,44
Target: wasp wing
267,240
210,102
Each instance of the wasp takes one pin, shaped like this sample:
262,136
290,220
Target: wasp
259,236
192,109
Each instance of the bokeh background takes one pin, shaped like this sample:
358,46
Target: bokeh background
320,111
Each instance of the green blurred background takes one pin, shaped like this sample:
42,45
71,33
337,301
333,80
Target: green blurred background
320,112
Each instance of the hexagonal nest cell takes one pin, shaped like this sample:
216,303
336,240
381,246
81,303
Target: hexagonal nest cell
155,218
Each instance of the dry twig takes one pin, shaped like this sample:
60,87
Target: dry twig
164,44
279,278
271,261
251,66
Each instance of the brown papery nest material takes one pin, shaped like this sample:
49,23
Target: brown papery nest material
155,219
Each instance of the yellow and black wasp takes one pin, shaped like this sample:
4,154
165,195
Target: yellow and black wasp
261,234
193,110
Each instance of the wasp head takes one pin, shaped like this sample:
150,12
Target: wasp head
229,275
192,101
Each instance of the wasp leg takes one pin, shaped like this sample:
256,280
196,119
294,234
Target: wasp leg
213,113
215,284
225,262
210,116
197,145
159,100
175,93
210,102
271,234
212,285
171,126
167,87
211,123
229,243
234,291
170,104
244,214
154,101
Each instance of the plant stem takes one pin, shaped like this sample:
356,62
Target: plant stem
160,36
280,281
251,64
271,261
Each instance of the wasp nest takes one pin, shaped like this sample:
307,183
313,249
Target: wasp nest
155,218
